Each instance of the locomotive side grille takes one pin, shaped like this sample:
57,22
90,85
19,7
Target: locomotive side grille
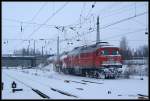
111,61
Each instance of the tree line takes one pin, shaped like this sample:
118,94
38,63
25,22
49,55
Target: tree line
128,53
27,52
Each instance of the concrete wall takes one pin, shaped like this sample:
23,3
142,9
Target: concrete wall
22,61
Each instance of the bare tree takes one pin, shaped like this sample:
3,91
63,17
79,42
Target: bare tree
142,51
25,52
125,51
145,51
123,43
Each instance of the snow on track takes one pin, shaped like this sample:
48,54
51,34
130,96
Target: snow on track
37,83
61,86
7,93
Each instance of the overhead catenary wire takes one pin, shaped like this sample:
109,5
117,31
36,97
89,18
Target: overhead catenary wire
83,8
30,20
32,23
87,18
124,34
38,12
32,17
119,11
89,31
81,14
72,28
47,25
49,18
93,5
117,22
124,20
38,24
138,22
108,8
111,38
52,26
131,32
120,21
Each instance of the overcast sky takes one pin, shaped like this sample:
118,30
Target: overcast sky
29,16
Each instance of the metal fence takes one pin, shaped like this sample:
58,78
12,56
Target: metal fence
136,61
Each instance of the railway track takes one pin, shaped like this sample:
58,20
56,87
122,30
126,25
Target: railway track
62,92
84,82
65,80
55,89
42,93
91,82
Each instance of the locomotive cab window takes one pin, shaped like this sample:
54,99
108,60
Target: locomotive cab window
115,52
104,52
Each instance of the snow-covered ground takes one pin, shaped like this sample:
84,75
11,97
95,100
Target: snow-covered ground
56,85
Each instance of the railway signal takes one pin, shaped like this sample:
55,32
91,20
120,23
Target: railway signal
93,5
13,85
146,33
2,85
21,27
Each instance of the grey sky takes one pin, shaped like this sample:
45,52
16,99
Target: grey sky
15,14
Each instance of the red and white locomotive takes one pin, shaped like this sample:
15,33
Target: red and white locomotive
98,60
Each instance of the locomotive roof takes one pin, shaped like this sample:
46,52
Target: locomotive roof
90,48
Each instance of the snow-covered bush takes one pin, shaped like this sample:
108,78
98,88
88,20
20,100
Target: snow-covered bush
140,70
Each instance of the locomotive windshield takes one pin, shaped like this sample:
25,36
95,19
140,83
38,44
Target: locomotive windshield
115,52
108,52
105,52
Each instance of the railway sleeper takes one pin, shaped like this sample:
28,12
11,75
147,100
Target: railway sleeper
64,93
40,93
91,82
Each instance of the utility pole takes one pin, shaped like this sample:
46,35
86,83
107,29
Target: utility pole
42,50
98,34
58,67
29,48
45,47
58,48
42,46
34,47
